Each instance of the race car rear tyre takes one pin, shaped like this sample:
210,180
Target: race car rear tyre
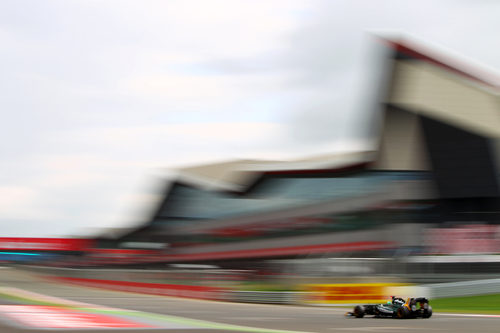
359,311
427,312
403,313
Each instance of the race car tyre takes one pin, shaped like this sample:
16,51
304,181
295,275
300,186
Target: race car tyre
359,311
403,313
427,312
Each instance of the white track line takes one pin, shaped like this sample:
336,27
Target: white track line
469,315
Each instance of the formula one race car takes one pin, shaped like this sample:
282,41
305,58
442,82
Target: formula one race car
396,308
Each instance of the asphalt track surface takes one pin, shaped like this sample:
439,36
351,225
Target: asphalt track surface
249,317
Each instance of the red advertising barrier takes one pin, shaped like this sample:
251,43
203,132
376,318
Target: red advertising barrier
201,292
99,251
44,244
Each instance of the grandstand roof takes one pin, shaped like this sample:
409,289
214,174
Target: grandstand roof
226,175
235,175
441,88
408,49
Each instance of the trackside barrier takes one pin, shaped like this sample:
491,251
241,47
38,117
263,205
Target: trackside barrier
267,297
464,288
200,292
320,294
311,294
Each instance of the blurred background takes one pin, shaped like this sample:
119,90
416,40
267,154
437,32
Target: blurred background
319,152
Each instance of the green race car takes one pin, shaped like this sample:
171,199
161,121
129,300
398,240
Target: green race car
397,308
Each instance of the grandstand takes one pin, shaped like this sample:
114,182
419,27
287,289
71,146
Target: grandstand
437,165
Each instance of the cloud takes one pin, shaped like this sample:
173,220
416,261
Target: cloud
14,199
155,143
96,95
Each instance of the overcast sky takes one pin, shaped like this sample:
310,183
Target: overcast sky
100,99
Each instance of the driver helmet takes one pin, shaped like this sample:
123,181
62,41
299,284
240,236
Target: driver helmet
398,301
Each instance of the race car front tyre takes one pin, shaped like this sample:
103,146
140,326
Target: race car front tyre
359,311
403,313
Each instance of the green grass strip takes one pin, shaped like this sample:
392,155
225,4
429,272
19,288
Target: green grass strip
488,304
30,301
